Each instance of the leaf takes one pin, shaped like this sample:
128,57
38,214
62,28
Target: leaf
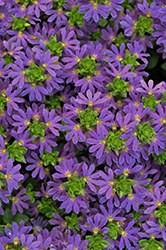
20,217
8,217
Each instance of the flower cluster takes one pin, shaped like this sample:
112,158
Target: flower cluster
82,125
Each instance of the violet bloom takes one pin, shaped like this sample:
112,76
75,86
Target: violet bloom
98,142
68,40
72,203
115,55
3,151
13,49
12,99
152,11
88,176
35,91
29,242
36,166
159,117
67,168
44,243
157,199
24,139
57,189
45,143
39,5
91,100
49,63
132,200
122,72
127,236
51,121
75,242
111,215
14,235
74,57
18,73
93,11
96,224
127,169
76,133
158,142
18,202
136,49
106,184
149,89
22,120
13,175
156,227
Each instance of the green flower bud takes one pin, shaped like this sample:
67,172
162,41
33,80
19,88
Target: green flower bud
88,118
35,73
145,132
37,129
118,86
144,25
114,142
49,158
16,152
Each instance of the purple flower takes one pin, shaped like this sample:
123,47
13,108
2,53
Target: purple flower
75,242
39,5
22,120
111,215
96,225
51,120
159,88
76,133
157,199
23,139
13,175
99,143
127,169
29,242
127,236
36,166
106,185
35,91
157,142
120,73
93,11
132,200
88,176
49,63
72,203
89,100
18,202
68,43
159,117
14,235
44,243
18,73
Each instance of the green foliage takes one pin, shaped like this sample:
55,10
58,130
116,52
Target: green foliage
161,158
46,207
37,129
75,17
88,118
144,25
75,186
87,66
25,2
73,221
30,192
96,243
54,47
145,132
8,59
35,73
2,131
19,23
124,186
8,217
95,35
50,158
120,39
162,215
118,86
16,152
113,230
114,142
2,102
130,60
53,102
150,102
151,244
